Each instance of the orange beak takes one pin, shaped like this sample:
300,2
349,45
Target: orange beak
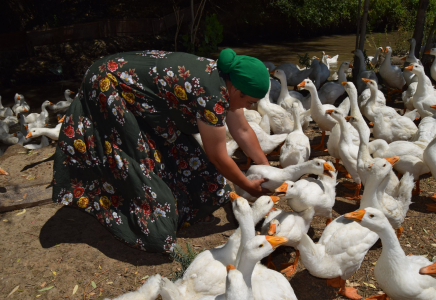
271,73
302,84
356,215
393,160
71,92
329,111
28,135
366,80
276,241
27,127
282,189
429,270
18,98
233,196
61,119
351,66
230,267
409,68
386,51
344,83
51,103
404,58
25,109
427,52
348,118
329,56
15,134
275,199
272,229
433,106
3,172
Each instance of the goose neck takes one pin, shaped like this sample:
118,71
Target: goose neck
297,170
341,75
391,249
374,190
246,267
297,123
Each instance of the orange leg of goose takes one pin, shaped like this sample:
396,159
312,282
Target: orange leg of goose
349,185
379,297
433,197
399,231
356,195
349,292
431,207
320,146
417,190
277,152
289,268
328,221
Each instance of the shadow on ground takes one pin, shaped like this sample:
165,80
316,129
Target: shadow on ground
72,226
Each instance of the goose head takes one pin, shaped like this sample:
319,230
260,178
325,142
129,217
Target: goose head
306,84
321,167
20,109
240,206
335,114
429,270
68,93
262,206
349,86
46,103
17,98
370,218
388,50
371,84
262,245
432,51
345,65
415,68
381,167
274,227
280,75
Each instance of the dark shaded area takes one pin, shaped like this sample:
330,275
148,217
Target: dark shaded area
71,226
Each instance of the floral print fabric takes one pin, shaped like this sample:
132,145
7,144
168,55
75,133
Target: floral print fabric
126,153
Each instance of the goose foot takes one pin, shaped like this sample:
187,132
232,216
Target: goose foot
3,172
321,146
328,221
342,170
431,207
433,197
417,190
356,195
371,124
399,231
288,269
334,282
379,297
349,292
347,175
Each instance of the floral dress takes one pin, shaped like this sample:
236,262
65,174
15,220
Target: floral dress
126,153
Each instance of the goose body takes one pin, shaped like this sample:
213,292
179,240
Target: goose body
373,60
20,104
33,117
332,90
432,51
397,274
5,111
363,72
62,106
293,75
296,148
424,96
391,74
267,142
319,74
52,133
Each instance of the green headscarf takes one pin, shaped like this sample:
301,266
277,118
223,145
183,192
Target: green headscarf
247,74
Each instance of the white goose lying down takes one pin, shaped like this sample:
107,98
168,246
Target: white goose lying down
397,273
148,291
62,106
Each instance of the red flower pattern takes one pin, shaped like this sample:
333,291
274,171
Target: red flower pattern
69,131
112,66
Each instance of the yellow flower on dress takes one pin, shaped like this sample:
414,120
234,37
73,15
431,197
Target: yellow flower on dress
157,156
105,202
107,147
210,116
83,202
104,84
112,79
130,98
80,146
180,92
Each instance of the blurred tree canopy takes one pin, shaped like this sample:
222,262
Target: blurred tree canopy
248,19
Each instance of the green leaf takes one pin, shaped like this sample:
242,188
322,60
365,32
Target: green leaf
93,284
46,288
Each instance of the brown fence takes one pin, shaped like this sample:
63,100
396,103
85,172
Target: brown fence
94,30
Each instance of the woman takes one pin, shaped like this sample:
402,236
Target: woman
126,153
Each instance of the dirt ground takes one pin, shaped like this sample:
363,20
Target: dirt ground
57,252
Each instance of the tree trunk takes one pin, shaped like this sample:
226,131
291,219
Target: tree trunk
419,26
427,57
358,25
363,25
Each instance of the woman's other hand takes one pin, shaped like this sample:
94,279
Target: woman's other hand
255,188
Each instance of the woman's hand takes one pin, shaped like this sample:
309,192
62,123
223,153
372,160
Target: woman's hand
255,189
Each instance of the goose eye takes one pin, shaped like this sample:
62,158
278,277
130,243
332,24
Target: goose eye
319,164
261,245
371,216
269,201
292,185
384,165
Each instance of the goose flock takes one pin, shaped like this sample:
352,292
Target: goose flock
31,125
387,160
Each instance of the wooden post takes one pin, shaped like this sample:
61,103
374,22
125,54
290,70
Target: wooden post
363,25
358,25
426,57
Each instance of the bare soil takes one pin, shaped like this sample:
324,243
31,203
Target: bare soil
46,251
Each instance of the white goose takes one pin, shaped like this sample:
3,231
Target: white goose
430,160
424,96
308,192
339,252
52,133
5,111
296,148
391,74
291,225
317,110
148,291
396,272
62,106
373,60
21,105
277,176
410,58
33,117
